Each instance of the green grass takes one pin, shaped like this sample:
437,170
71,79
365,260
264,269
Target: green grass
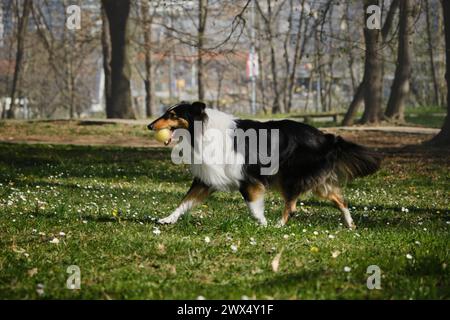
69,128
431,120
104,200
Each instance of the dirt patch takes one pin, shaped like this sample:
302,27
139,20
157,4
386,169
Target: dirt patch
380,139
135,134
84,140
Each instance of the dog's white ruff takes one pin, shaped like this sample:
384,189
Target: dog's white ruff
225,176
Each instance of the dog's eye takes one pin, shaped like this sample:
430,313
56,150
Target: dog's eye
172,115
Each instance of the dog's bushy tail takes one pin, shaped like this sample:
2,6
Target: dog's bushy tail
352,160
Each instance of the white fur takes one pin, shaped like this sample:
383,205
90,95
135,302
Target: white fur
225,176
177,213
257,209
348,218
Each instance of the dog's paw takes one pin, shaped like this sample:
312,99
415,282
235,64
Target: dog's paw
351,226
168,220
262,223
280,224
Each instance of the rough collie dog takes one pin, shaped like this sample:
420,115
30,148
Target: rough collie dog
308,160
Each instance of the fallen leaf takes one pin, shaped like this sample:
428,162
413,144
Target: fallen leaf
32,272
335,254
276,261
161,248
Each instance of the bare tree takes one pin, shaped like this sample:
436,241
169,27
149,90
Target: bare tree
149,69
358,98
401,85
23,18
443,137
268,19
106,50
372,72
119,104
301,40
437,101
202,17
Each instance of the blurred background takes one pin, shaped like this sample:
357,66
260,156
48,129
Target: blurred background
131,59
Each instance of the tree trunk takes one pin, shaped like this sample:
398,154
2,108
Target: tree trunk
262,73
372,73
120,105
401,85
286,53
261,79
357,101
277,107
431,55
351,58
443,137
21,34
149,72
220,76
298,55
202,16
359,94
106,48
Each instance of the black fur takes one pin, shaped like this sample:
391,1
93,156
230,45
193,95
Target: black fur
308,155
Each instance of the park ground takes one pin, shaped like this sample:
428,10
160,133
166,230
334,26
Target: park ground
88,193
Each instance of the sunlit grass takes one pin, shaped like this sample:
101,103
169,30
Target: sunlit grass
100,204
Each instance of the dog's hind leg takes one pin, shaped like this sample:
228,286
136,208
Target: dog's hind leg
334,194
254,197
196,194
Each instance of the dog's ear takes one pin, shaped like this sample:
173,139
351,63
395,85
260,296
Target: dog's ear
198,107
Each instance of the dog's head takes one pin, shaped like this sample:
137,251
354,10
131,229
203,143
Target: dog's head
181,115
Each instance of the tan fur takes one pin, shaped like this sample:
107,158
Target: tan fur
170,124
255,191
289,207
334,194
197,194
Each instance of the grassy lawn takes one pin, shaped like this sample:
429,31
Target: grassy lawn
94,207
432,117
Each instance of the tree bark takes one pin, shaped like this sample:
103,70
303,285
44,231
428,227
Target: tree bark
202,16
443,137
387,26
401,85
21,34
106,48
357,101
277,107
298,55
120,105
372,73
431,55
149,70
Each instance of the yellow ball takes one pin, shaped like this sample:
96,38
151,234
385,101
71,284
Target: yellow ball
163,135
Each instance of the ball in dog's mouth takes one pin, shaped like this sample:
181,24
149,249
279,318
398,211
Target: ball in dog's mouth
164,135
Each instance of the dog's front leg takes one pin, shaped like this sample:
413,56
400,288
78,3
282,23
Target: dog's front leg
196,194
